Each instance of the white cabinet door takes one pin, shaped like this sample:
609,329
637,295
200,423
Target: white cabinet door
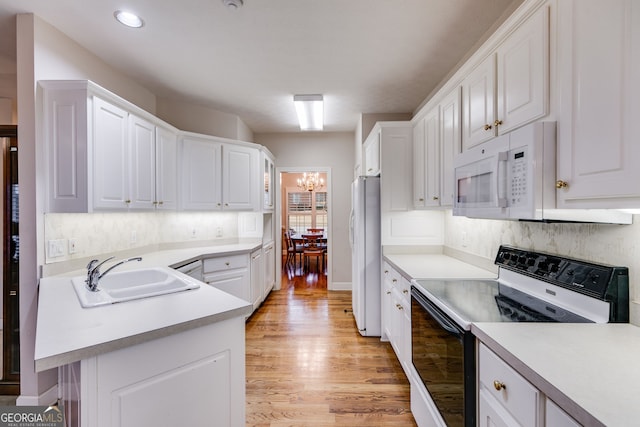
554,416
432,158
478,104
491,413
142,159
269,172
599,64
110,156
201,174
396,167
419,166
372,154
450,143
240,177
386,303
257,278
523,73
269,269
166,169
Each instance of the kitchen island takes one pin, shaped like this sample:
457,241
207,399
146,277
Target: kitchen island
175,359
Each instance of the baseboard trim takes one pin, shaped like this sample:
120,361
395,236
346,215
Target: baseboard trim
49,397
340,286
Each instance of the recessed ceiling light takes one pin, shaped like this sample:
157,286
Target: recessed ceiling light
233,4
129,19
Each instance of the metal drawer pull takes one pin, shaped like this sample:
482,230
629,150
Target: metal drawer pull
498,385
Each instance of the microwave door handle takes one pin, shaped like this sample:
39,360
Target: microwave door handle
503,158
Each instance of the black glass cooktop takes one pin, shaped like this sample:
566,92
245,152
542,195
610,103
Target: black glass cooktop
471,301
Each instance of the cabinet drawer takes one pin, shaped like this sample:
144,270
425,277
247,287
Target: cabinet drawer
223,263
509,388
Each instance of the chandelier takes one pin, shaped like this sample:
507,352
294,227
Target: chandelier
310,181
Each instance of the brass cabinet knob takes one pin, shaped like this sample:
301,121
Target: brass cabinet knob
499,385
160,203
386,271
405,291
421,199
487,127
388,292
394,280
436,198
561,184
399,307
227,263
127,201
497,123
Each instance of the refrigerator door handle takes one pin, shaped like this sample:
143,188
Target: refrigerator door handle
351,229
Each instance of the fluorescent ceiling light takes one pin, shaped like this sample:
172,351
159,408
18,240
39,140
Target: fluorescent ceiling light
310,111
129,19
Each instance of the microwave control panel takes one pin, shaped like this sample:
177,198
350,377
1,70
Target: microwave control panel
518,174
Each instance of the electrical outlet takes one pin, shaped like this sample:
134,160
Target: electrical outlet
464,239
56,248
73,245
193,233
134,237
218,231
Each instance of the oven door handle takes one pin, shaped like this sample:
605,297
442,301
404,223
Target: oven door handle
445,323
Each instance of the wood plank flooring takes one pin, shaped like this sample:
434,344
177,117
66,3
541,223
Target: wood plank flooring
308,366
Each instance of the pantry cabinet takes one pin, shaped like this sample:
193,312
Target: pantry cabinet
510,87
599,97
217,175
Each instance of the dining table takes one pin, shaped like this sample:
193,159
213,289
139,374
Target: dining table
301,241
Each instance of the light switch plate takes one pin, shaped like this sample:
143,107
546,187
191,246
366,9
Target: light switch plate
56,248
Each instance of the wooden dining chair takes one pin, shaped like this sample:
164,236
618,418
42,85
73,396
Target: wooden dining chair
312,250
315,230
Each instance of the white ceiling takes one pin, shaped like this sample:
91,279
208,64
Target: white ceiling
364,56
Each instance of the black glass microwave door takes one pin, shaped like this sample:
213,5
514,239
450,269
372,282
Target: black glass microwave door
438,356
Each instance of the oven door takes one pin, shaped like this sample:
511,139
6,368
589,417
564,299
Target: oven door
443,355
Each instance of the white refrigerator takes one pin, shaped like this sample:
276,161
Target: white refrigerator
364,236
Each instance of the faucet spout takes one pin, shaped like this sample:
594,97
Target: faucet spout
94,275
137,258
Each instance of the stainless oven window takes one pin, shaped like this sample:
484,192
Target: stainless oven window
442,355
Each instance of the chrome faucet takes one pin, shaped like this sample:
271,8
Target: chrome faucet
93,271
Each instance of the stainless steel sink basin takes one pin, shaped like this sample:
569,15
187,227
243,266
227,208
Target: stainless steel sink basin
134,284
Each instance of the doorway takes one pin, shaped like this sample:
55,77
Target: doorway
10,381
303,206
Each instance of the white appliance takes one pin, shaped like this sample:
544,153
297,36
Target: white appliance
364,236
511,177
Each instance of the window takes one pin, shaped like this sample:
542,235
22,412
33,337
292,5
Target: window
306,209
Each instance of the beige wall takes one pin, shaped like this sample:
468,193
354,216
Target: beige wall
316,151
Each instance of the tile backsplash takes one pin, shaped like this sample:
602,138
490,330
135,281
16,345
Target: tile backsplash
99,233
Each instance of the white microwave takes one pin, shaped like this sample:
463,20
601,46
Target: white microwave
509,177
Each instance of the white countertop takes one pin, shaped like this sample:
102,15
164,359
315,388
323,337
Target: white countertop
436,266
592,371
66,332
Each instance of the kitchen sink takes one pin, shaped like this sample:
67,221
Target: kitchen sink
130,285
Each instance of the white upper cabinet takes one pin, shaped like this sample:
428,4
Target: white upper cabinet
166,169
142,150
102,156
478,91
450,143
269,178
396,166
511,86
436,140
240,177
217,175
201,165
599,97
110,156
372,154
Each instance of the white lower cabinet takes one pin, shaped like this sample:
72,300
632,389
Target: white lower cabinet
229,273
505,398
269,268
505,395
554,416
396,315
257,279
193,378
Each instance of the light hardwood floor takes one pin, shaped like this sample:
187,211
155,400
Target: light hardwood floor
308,366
